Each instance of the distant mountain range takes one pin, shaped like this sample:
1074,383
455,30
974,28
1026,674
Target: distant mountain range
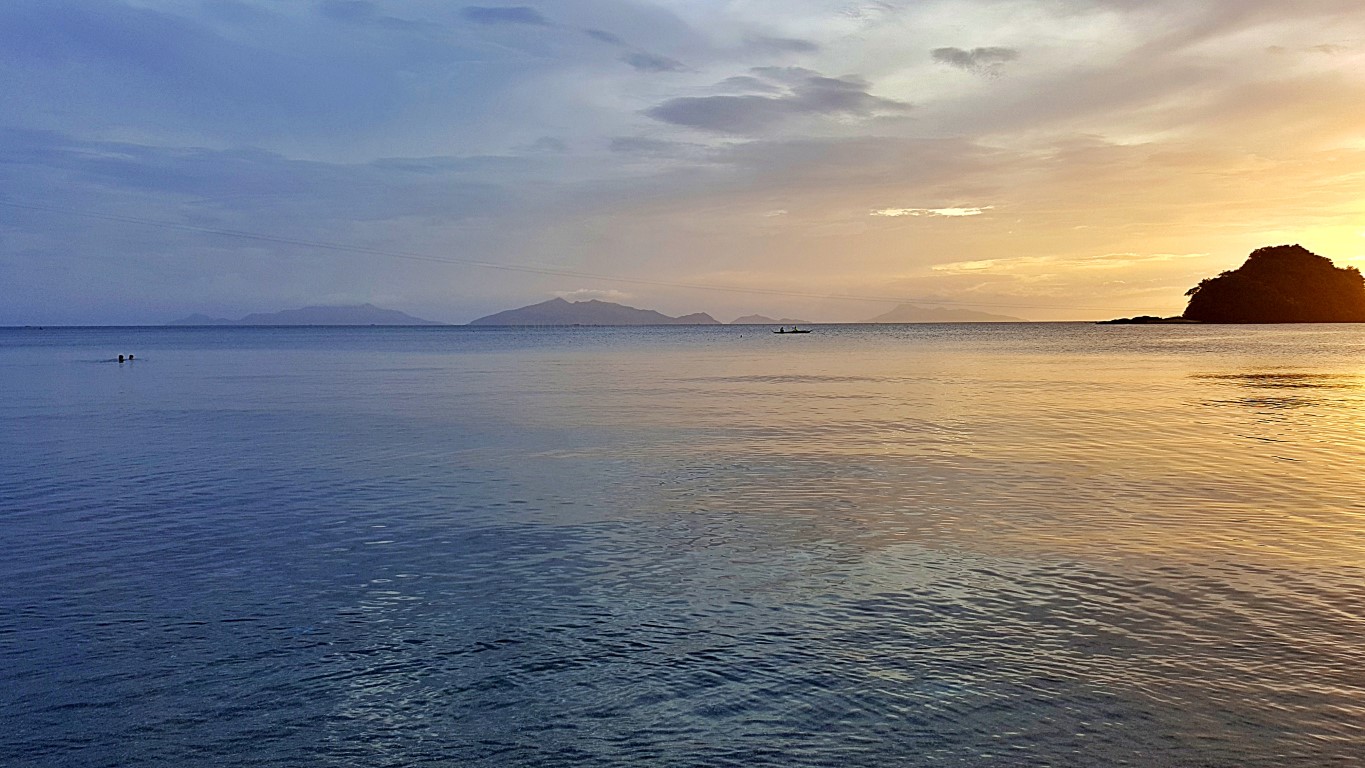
358,314
593,312
765,320
561,312
909,313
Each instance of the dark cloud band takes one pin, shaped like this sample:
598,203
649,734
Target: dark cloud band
797,92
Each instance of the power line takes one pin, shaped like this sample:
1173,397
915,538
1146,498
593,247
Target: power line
522,268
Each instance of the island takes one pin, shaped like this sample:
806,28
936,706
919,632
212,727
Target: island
1280,284
765,320
592,312
355,314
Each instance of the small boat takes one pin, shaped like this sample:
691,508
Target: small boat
793,330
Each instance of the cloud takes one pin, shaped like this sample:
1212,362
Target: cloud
1326,49
516,14
649,62
363,12
724,114
639,60
417,205
1129,259
765,44
243,80
982,61
870,11
969,266
252,183
641,145
942,212
546,144
603,36
798,92
745,84
1026,264
1120,125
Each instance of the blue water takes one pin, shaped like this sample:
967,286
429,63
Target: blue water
1051,544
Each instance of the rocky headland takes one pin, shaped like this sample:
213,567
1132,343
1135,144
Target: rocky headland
1276,284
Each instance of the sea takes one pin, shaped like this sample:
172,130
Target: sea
1047,544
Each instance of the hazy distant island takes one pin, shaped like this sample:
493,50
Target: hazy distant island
592,312
357,314
765,320
1277,284
595,312
909,313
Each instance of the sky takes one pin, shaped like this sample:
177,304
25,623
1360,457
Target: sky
1046,159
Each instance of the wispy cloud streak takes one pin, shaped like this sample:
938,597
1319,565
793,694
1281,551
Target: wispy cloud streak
950,213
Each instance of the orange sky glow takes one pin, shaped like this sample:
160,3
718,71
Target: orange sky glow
1060,160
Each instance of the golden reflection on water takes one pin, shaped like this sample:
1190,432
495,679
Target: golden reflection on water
1221,451
1043,545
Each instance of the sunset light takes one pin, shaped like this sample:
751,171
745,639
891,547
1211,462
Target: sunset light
682,383
658,140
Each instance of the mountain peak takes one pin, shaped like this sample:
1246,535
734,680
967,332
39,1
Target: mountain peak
765,320
557,311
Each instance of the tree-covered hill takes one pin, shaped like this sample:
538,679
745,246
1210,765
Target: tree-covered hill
1280,284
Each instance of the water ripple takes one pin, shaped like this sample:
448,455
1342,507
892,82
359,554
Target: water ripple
1052,545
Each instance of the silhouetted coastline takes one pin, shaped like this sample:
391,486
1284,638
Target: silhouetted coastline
1148,320
1276,284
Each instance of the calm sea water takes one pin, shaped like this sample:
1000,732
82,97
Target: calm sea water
1065,545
